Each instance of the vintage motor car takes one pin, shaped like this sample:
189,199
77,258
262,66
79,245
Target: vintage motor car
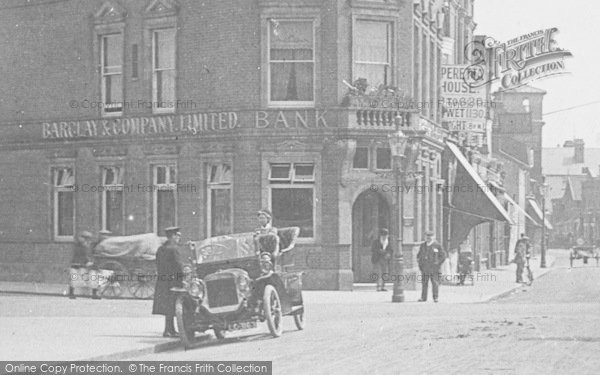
585,252
236,281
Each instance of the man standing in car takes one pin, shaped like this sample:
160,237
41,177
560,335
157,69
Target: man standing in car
430,258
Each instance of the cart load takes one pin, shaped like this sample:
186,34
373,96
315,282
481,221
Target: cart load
141,246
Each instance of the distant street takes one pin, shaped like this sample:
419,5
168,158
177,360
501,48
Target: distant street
551,327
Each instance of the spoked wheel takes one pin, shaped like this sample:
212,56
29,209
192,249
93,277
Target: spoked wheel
142,284
115,283
184,317
299,320
272,310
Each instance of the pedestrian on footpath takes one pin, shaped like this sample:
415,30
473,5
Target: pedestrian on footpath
521,252
381,253
83,273
430,257
169,266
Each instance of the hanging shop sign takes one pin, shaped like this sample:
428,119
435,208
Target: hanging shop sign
464,108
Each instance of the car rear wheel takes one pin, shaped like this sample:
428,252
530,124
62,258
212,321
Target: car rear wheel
272,310
184,320
299,320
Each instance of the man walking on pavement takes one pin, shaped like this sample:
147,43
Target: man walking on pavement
430,258
521,252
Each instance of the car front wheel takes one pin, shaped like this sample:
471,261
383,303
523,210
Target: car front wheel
272,310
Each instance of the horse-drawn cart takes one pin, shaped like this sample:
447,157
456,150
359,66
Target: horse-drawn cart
132,262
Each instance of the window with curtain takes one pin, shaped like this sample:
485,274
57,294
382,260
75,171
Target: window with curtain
163,69
291,61
112,74
111,213
164,191
63,181
373,59
219,200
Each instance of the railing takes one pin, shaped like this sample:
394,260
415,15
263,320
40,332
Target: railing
375,118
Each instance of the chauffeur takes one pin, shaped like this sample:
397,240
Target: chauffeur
430,257
169,266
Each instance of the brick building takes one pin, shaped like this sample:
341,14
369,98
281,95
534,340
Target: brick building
135,115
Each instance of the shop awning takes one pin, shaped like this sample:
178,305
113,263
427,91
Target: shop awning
538,212
472,201
520,209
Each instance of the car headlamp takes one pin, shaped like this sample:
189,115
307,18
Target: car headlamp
196,289
243,284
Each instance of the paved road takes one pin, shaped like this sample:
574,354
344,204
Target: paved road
550,327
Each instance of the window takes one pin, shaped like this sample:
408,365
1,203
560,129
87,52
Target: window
219,200
361,158
292,196
111,209
424,74
163,70
384,158
112,74
134,61
416,62
291,62
63,182
373,52
164,200
432,79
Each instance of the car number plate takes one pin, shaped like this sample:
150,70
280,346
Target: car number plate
241,325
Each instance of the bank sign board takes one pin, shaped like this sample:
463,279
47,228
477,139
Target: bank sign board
464,107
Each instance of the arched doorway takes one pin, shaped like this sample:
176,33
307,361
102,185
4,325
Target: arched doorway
369,213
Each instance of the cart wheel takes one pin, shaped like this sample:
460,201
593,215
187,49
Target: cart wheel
142,284
184,320
114,284
272,310
299,320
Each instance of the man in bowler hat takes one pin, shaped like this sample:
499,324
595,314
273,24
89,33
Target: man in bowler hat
430,258
381,253
169,265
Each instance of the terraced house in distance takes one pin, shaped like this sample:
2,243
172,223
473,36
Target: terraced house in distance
136,115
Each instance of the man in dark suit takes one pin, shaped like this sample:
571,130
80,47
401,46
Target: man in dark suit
430,258
381,253
169,265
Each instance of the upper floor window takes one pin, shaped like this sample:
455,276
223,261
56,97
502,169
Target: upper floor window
291,62
361,158
111,55
163,70
373,60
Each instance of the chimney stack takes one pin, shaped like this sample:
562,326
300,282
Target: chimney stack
578,154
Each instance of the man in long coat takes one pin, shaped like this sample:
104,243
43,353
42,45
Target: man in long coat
430,258
169,266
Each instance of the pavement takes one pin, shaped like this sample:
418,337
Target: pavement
35,317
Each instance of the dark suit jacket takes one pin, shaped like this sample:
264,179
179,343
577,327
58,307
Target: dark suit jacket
430,258
378,253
